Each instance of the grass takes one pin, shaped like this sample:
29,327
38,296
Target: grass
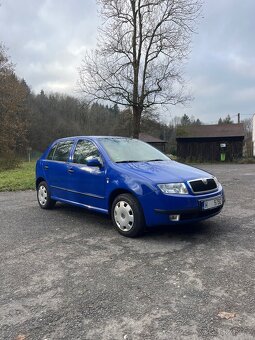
21,178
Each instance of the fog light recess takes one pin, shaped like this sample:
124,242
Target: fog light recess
174,218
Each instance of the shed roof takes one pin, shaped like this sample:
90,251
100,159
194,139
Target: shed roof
150,139
210,131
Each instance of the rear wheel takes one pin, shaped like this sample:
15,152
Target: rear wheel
127,216
43,196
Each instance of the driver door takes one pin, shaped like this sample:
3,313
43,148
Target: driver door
87,183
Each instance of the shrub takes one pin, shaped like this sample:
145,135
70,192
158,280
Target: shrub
8,162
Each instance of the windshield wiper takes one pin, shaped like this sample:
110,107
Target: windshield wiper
155,160
126,161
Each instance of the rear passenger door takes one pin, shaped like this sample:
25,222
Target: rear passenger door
56,169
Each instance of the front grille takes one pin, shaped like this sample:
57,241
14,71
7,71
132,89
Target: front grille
203,185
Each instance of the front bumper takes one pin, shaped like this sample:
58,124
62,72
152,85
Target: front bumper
158,207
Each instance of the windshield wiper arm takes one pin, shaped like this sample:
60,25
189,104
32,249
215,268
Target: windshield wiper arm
143,161
127,161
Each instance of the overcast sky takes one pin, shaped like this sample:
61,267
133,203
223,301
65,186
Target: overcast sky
47,40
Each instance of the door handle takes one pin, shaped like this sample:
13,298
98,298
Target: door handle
70,171
46,167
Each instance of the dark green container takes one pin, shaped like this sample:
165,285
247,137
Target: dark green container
222,157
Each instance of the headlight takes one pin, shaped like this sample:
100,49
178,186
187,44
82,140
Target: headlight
173,188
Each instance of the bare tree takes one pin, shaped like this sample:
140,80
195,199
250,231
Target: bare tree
141,47
247,127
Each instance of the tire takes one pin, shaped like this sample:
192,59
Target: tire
127,216
43,196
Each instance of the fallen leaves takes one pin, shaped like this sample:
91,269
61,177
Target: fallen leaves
226,315
20,337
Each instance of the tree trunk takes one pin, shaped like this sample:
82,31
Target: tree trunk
137,113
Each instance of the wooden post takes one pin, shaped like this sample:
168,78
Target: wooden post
29,149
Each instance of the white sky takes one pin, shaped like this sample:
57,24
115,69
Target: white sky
47,40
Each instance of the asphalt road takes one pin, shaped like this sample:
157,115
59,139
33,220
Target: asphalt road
67,274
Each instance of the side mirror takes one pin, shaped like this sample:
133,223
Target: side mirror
94,162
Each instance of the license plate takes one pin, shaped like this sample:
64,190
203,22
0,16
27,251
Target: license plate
212,203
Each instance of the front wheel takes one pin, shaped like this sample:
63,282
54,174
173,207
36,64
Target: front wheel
127,216
43,196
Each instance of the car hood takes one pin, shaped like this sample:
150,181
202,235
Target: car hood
164,171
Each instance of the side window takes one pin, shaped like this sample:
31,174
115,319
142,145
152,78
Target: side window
85,150
63,150
52,151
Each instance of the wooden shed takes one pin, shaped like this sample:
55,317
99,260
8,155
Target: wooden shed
156,142
207,143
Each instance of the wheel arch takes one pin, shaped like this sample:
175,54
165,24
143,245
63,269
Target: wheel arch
116,193
38,181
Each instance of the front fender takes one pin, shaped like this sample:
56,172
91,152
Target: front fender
137,185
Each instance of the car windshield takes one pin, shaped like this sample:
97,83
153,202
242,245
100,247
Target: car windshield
124,150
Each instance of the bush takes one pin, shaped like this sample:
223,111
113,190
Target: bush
9,162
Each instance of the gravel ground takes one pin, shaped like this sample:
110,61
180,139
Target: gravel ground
67,274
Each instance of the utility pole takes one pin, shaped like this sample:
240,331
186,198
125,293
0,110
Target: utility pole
238,118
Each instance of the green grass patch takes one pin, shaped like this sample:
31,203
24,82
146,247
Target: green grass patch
21,178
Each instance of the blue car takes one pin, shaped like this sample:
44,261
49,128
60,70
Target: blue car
128,179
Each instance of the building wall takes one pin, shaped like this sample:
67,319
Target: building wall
158,145
208,150
253,134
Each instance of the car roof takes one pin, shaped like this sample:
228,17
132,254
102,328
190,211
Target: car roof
91,137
